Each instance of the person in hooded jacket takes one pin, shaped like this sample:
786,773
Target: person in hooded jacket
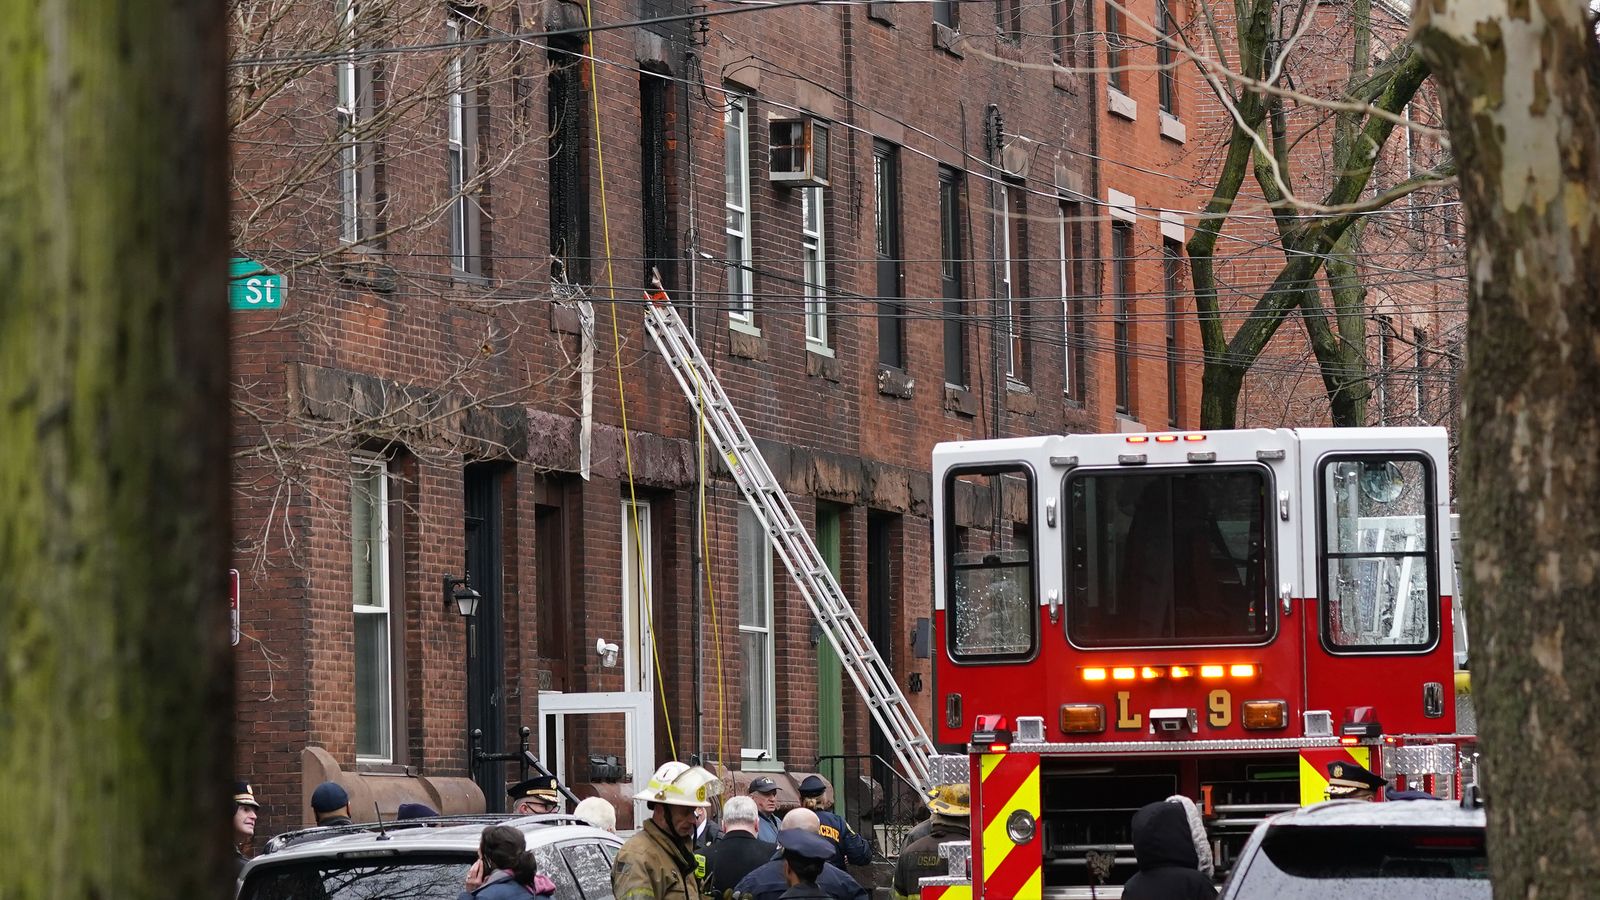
505,869
1169,866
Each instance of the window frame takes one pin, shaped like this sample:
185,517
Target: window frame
1430,553
1270,555
1166,71
1008,290
1069,244
1116,75
565,61
769,745
367,464
888,247
814,265
348,111
952,254
466,248
737,218
1172,284
1121,325
951,542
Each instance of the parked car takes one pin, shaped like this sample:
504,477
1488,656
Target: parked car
423,859
1360,850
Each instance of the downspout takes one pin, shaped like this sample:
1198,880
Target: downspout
697,559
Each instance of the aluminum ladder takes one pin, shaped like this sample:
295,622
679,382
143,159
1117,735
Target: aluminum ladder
872,676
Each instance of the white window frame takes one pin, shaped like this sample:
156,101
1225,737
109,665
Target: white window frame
814,251
763,747
347,112
736,128
364,465
637,597
1007,313
455,140
1063,245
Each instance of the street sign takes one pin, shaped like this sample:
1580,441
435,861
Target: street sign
233,602
251,286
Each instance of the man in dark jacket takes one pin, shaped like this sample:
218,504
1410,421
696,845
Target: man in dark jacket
1169,865
738,852
768,882
330,804
951,807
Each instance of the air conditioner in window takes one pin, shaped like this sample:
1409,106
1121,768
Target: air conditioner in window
799,152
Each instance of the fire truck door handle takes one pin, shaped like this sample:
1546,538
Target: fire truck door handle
1053,597
1285,591
1283,505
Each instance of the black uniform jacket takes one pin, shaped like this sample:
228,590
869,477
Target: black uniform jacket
766,882
735,855
920,859
1169,866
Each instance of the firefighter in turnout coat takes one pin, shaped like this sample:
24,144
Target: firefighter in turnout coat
658,863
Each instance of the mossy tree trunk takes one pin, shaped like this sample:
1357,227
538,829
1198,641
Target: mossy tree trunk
1521,85
115,670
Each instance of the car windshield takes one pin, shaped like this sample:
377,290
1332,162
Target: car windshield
412,876
1350,862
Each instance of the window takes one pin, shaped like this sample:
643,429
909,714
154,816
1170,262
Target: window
886,210
736,138
1063,32
461,151
1069,236
816,266
1370,859
944,13
357,154
990,603
951,254
1008,19
1419,372
1166,60
758,699
1172,283
654,180
369,528
1122,285
1380,378
1169,557
1378,572
568,177
1013,280
1116,76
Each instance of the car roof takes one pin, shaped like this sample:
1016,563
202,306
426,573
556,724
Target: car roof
1391,813
443,833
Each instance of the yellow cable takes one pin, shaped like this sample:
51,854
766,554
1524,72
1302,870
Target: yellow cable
622,396
711,594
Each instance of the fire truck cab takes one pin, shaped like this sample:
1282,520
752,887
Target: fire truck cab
1121,618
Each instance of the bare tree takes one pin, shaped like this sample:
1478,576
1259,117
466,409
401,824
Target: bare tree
1521,85
115,674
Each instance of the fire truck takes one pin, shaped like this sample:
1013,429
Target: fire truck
1122,618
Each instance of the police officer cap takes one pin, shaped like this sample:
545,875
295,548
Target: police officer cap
244,795
537,786
763,785
414,811
1349,775
812,785
328,797
805,845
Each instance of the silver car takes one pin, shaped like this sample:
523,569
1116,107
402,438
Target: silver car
423,859
1356,849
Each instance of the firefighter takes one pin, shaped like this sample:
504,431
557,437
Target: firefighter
951,807
848,847
659,863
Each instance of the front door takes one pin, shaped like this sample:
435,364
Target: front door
485,649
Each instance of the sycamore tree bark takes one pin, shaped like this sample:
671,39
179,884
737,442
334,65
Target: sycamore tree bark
1521,84
115,671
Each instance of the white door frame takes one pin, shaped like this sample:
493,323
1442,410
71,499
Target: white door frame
639,726
637,660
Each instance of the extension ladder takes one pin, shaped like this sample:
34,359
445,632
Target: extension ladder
872,676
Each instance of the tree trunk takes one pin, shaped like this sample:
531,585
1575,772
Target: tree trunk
1523,109
115,672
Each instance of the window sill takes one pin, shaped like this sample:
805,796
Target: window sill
893,382
946,38
745,342
878,11
469,279
392,770
1127,424
1172,128
1020,399
960,400
360,268
751,764
1121,105
1066,80
742,326
820,362
818,348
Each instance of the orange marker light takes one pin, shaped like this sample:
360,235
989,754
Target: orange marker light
1166,438
1194,437
1123,673
1094,674
1139,439
1242,670
1181,672
1211,671
1149,672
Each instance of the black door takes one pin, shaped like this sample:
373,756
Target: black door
485,631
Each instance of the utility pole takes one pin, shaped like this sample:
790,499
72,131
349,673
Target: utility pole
116,679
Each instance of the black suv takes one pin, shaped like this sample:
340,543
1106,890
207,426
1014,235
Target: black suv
423,859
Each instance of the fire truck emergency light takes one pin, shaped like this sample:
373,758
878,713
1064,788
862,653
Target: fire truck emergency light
990,733
1164,438
1258,715
1083,718
1153,673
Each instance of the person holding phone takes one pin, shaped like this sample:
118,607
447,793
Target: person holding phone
505,869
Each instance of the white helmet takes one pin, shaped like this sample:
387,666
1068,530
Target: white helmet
679,784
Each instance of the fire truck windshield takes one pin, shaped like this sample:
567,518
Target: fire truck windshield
1168,557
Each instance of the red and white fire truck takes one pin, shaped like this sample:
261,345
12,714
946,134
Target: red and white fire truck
1125,617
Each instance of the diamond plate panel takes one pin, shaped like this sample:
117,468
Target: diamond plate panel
1424,759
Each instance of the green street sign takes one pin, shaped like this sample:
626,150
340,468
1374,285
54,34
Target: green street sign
251,286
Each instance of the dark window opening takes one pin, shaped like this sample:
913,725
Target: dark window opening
951,254
1169,557
568,186
1122,285
1074,327
1172,281
1370,862
886,209
655,185
1115,75
1166,34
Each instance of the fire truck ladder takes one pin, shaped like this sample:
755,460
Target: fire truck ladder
872,677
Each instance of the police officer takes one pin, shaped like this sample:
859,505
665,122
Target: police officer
1348,781
245,810
764,791
848,847
534,797
804,856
